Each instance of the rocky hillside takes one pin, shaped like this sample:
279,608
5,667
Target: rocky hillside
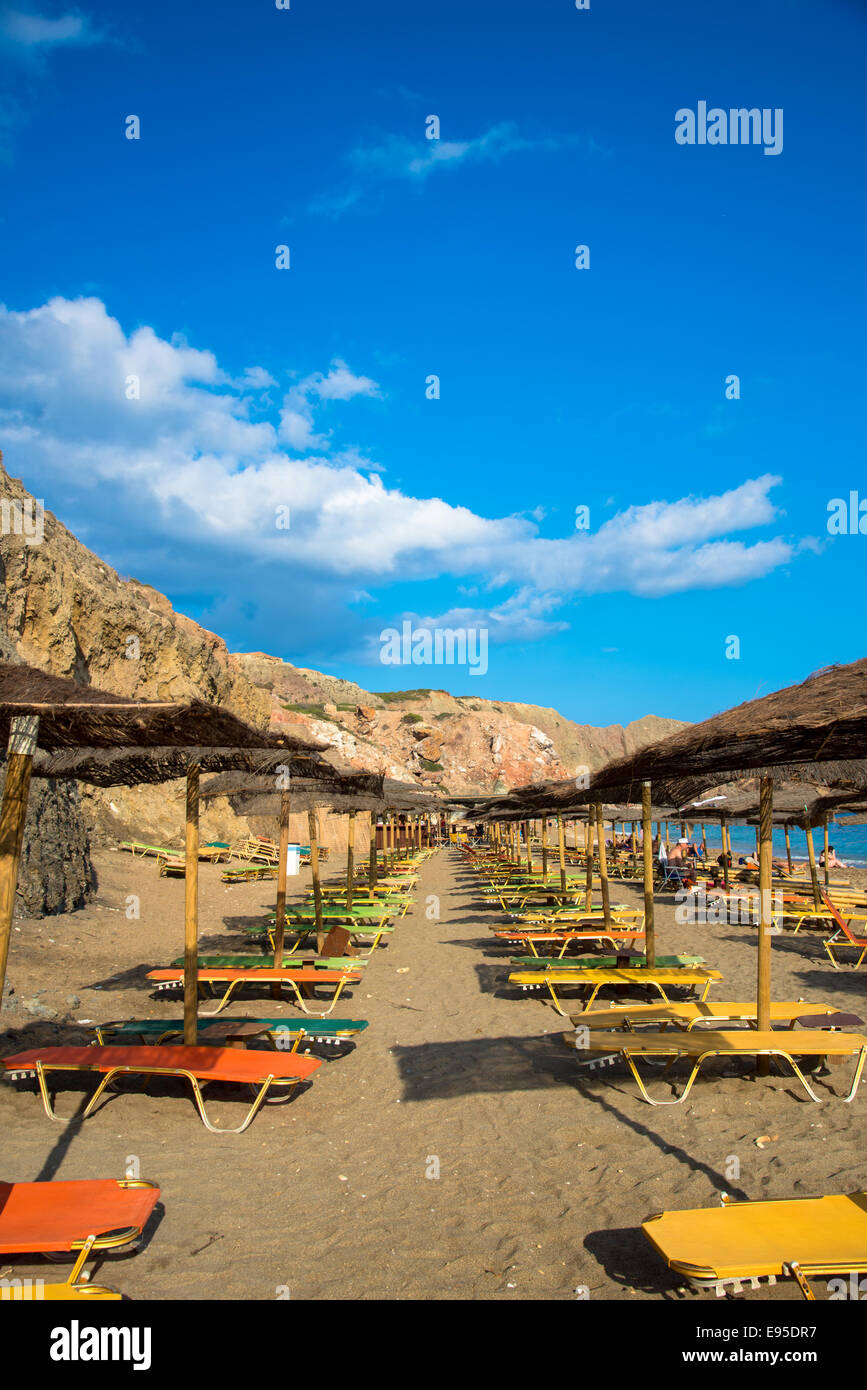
63,609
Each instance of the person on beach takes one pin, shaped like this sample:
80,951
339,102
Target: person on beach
833,861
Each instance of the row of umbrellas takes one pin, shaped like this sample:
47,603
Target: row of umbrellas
56,728
806,745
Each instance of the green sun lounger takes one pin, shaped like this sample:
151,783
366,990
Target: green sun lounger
322,1030
255,962
137,847
549,963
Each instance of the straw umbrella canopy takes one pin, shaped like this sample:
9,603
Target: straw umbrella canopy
39,711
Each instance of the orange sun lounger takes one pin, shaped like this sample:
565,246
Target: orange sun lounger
234,978
259,1070
843,936
85,1216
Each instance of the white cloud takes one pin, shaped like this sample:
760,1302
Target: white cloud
198,468
35,33
397,158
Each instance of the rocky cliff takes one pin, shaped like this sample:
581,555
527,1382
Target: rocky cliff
63,609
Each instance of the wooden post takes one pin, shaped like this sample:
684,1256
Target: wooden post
529,849
647,845
544,849
191,909
317,886
371,873
811,855
634,846
350,859
603,866
23,733
725,852
788,846
825,848
588,862
280,919
703,842
763,980
562,850
667,841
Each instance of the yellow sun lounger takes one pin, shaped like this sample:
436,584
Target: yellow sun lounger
800,1238
699,1045
687,1014
691,977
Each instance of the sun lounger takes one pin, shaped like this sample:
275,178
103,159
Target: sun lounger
87,1217
690,1012
281,1031
136,847
233,962
249,875
596,962
257,1069
801,1238
172,868
592,978
234,979
843,936
697,1046
530,939
303,933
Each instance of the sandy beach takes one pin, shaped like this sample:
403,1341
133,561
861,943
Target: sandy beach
456,1152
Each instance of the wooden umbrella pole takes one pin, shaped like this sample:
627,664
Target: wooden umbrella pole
23,733
788,846
703,843
561,845
725,852
528,847
814,876
191,909
350,859
766,927
647,846
825,848
317,886
282,869
603,866
588,863
371,872
634,846
544,849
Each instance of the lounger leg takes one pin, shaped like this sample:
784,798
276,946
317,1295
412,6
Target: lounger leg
224,1001
91,1104
801,1077
678,1100
859,1067
43,1090
553,994
251,1113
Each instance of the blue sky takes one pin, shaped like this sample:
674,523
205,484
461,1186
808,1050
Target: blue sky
262,389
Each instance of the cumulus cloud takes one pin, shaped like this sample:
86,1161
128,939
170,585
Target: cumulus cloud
184,466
